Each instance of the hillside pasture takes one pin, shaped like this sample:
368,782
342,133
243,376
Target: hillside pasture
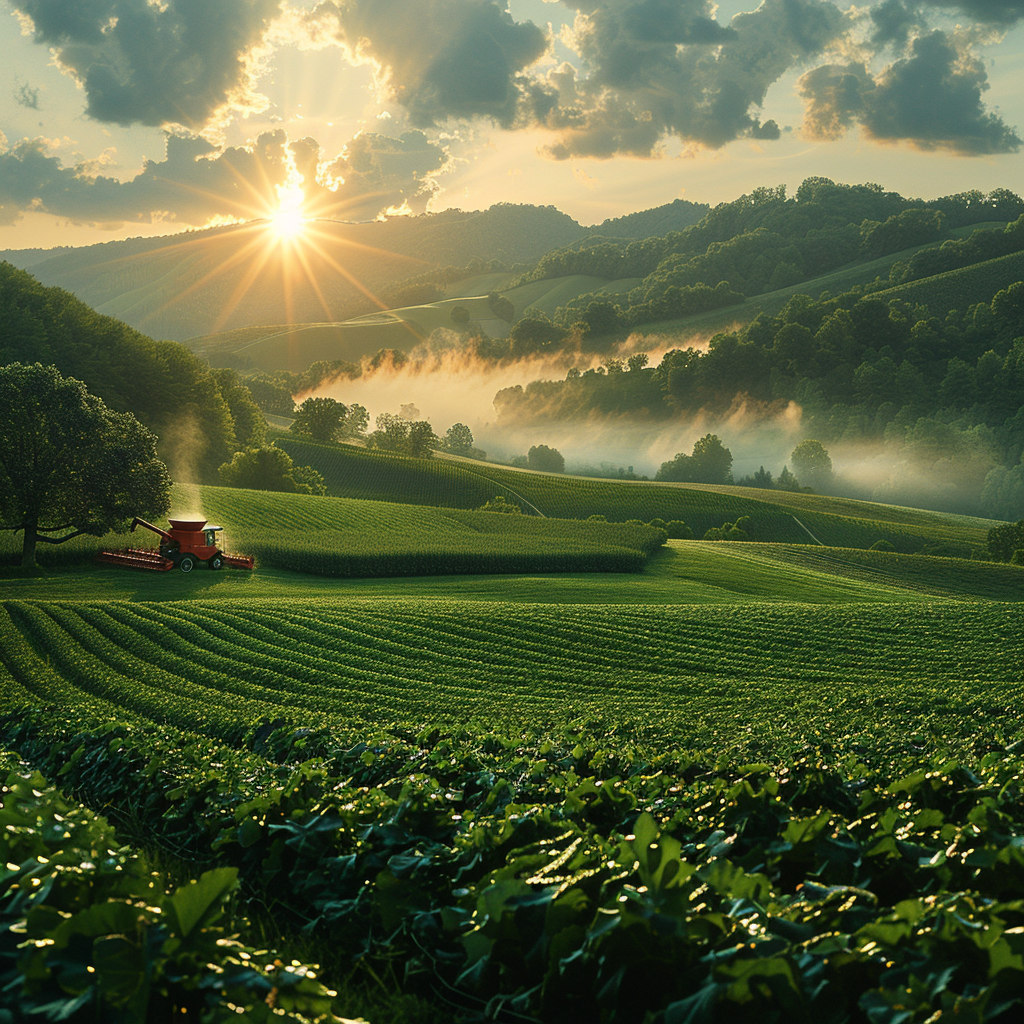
777,516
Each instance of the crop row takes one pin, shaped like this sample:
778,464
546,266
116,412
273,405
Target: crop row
754,674
89,931
581,873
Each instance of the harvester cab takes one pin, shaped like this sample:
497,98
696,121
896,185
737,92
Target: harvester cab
188,543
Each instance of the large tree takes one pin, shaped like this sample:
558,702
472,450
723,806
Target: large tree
812,465
710,463
268,468
68,464
549,460
322,419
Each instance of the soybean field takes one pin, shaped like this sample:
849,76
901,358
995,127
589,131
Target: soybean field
426,764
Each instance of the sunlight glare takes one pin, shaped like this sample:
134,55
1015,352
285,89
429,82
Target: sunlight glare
288,221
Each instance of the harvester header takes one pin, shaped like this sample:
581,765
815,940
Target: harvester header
188,543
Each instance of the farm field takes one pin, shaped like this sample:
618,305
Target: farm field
751,779
832,790
841,522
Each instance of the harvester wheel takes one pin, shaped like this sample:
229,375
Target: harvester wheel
187,563
217,562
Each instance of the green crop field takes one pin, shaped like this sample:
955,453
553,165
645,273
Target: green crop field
750,782
344,537
776,516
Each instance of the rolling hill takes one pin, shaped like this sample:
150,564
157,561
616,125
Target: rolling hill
777,516
200,282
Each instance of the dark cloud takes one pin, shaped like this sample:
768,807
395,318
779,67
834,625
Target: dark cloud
379,172
931,99
173,62
25,96
443,58
196,183
893,20
692,79
992,12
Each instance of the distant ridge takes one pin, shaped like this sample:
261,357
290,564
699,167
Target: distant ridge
201,282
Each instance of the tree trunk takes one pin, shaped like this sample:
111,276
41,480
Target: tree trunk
28,549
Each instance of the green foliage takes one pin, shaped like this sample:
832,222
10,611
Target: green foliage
710,463
269,468
91,931
738,531
545,459
881,545
812,465
678,530
69,465
458,440
501,307
321,419
403,436
171,391
463,788
499,503
1004,541
250,427
353,472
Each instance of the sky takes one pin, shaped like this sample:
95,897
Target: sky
121,118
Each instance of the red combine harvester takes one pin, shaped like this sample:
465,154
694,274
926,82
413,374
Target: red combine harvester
189,542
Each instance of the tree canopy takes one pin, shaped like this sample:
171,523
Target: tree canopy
269,468
322,419
549,460
812,465
709,463
68,464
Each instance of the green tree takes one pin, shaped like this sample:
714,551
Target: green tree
501,307
787,481
712,461
1003,541
459,316
422,439
68,464
549,460
458,440
263,469
250,426
812,465
356,422
319,418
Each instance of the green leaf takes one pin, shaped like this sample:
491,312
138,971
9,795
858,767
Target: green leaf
199,902
249,833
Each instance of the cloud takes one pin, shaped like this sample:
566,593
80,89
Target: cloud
25,96
992,12
376,172
439,59
196,183
155,62
893,22
659,68
931,99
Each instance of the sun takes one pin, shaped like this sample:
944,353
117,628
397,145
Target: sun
288,221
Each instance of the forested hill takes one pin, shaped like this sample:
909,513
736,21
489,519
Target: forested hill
198,282
661,220
200,415
766,241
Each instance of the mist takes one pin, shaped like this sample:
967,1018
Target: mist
448,383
